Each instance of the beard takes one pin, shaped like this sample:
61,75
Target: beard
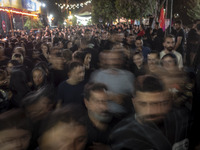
170,48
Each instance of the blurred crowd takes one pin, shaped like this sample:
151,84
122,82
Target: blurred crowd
115,87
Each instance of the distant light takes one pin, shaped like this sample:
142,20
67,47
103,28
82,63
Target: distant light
43,5
64,23
70,17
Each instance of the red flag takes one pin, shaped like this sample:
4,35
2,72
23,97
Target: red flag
132,21
162,19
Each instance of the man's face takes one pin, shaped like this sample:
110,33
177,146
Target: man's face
44,49
138,60
74,137
58,61
130,39
87,34
120,37
104,36
152,60
139,44
169,44
18,57
9,68
87,60
14,139
69,45
38,77
169,64
177,26
151,106
97,107
78,73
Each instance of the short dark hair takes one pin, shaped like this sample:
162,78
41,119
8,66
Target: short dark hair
73,64
67,114
40,69
149,83
14,118
178,22
20,49
172,56
44,65
169,36
155,52
93,87
139,38
137,53
157,23
80,55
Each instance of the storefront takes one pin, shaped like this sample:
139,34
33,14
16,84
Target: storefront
13,13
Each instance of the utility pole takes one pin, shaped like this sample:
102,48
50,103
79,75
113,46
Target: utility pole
67,10
11,22
171,16
67,2
166,11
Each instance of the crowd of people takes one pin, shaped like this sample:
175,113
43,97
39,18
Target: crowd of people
116,87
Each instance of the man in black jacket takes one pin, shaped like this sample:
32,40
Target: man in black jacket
156,124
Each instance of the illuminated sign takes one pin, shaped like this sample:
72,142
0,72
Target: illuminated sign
11,3
30,5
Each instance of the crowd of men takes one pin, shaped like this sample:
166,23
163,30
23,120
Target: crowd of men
116,87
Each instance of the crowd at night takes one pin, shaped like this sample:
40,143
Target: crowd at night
100,87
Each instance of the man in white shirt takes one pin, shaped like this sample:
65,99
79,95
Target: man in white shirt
169,45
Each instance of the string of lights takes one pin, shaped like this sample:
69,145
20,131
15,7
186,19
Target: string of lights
73,6
18,12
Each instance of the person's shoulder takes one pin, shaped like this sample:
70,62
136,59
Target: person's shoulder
146,48
127,73
162,52
121,125
177,54
179,114
128,134
181,32
63,84
97,73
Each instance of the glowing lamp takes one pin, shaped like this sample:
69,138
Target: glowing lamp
70,17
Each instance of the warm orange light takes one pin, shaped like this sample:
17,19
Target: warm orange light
18,12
